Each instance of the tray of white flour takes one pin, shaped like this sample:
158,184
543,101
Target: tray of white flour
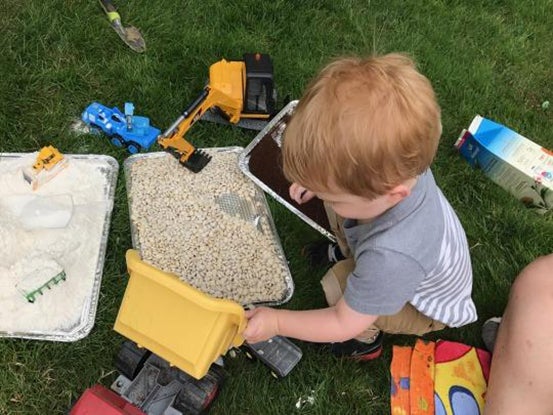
60,229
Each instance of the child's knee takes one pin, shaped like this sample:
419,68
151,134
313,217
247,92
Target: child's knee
335,280
331,287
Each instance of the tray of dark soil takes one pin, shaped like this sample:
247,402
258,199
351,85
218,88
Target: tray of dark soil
261,161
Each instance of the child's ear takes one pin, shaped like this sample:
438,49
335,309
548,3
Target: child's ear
398,193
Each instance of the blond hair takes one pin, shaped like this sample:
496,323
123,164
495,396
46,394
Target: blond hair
363,126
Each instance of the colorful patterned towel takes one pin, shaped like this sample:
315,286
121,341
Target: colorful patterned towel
442,378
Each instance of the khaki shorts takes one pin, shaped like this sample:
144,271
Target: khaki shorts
336,223
407,321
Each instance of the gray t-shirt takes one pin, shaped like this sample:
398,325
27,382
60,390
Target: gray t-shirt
416,252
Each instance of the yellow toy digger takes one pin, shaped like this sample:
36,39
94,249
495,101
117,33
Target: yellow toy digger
236,90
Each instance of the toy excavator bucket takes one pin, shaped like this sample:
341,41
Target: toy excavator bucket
197,160
177,322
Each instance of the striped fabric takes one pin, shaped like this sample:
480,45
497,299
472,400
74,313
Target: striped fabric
445,293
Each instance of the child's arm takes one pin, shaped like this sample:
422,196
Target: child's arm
332,324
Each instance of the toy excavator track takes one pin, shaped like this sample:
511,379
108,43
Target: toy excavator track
246,123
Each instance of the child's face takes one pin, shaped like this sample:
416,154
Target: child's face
357,207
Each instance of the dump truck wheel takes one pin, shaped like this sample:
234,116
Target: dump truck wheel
130,359
197,395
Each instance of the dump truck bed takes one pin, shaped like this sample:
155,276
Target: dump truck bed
174,320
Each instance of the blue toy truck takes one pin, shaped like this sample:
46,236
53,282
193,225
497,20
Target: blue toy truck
124,130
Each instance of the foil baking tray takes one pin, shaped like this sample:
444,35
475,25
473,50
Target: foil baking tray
230,203
261,162
109,169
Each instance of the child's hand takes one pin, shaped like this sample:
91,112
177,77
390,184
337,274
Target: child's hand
262,324
300,194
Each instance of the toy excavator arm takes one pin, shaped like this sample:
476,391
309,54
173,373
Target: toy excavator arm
173,140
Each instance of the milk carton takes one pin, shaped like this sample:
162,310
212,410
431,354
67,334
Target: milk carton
512,161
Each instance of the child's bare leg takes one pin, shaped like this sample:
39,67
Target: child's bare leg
522,363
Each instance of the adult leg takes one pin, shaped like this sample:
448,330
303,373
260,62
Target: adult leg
522,363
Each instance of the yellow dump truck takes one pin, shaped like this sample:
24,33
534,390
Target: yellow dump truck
171,362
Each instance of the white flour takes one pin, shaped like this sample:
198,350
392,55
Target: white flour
75,247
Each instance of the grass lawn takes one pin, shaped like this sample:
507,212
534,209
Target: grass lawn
491,58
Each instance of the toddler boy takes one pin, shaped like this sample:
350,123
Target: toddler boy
362,139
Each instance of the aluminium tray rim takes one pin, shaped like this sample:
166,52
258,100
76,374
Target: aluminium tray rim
276,238
81,330
243,163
